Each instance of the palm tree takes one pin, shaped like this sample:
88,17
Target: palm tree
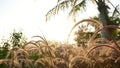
78,5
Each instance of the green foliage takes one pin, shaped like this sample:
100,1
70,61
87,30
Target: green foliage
3,65
4,49
82,35
17,39
34,56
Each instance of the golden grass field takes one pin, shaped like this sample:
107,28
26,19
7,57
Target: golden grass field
47,54
42,53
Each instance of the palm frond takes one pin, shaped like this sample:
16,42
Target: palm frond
94,1
115,11
60,6
58,1
74,2
78,7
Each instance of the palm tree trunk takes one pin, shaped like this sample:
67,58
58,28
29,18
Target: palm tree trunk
103,17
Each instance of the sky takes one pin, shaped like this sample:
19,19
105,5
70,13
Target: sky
28,16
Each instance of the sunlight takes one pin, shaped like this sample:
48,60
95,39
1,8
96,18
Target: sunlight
29,17
56,29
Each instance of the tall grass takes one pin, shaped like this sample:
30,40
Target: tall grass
46,54
37,55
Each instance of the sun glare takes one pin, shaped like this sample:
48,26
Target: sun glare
29,16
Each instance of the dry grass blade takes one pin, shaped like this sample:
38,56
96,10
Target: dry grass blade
97,40
45,62
17,58
48,49
60,63
116,27
35,47
31,42
11,53
105,45
10,63
80,62
90,21
17,52
93,37
3,61
43,38
105,27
